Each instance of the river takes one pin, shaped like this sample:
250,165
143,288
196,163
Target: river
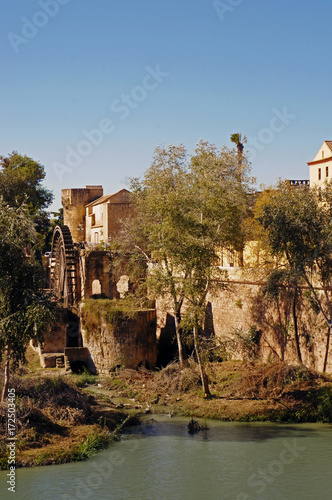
159,460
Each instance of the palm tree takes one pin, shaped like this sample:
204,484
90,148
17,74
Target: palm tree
239,141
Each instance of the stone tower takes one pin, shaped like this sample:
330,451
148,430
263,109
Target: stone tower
74,202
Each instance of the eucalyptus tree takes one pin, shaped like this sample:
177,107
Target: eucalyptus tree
25,308
186,210
220,187
162,203
298,224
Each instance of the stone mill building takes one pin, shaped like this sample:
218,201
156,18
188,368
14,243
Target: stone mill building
80,268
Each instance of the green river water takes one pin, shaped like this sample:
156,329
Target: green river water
159,460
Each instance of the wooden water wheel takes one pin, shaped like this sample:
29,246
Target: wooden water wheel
64,267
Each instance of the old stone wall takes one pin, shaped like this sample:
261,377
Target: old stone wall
65,333
242,306
117,213
115,340
73,202
97,268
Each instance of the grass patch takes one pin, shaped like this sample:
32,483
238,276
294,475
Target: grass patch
99,439
83,379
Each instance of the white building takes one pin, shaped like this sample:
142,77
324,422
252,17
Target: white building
321,166
105,215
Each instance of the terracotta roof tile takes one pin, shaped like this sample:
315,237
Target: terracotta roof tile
329,143
105,198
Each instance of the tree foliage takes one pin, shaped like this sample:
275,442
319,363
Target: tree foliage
239,141
186,210
298,225
25,308
21,180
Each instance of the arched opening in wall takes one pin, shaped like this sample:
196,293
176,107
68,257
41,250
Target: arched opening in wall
78,366
96,287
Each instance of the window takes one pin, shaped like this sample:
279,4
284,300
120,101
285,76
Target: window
319,174
326,171
322,154
96,237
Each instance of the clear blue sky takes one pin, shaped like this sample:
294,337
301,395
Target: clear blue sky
69,67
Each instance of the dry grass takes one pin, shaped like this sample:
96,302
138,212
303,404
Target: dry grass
55,422
170,381
239,391
263,381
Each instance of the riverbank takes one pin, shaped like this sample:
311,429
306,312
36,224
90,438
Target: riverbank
63,417
56,423
240,392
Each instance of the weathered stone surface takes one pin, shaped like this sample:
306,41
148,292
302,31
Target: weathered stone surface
241,306
123,285
96,265
74,202
77,353
120,341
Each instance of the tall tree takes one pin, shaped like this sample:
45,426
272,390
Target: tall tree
185,212
220,188
25,309
298,224
162,201
239,141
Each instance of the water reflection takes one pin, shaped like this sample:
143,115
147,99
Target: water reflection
222,431
159,460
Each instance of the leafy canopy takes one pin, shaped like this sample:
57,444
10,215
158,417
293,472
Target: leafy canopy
21,180
298,225
25,308
186,209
